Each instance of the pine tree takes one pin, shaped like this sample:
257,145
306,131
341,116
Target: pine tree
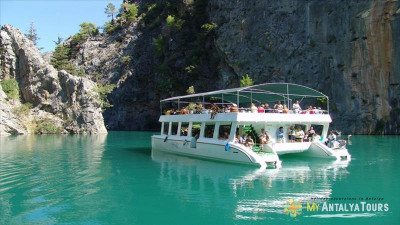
60,57
110,11
32,35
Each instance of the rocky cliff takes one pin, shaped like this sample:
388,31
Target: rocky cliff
347,49
58,101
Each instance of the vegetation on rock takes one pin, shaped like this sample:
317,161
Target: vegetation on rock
46,126
246,81
103,91
10,87
23,110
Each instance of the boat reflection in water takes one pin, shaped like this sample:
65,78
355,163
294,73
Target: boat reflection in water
256,193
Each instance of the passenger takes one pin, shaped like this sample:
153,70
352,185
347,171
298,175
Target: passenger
260,108
168,112
204,111
214,110
316,137
280,135
184,111
278,107
263,137
310,110
316,111
234,108
299,134
342,143
249,142
227,109
292,134
242,139
331,139
236,140
253,108
310,134
296,107
267,109
173,111
226,135
285,109
320,110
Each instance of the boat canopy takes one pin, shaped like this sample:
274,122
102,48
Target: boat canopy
261,93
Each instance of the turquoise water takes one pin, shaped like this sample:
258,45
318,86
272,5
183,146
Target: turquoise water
115,179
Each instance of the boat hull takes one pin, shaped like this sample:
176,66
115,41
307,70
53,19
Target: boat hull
213,150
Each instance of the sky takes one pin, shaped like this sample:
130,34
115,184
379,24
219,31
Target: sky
53,18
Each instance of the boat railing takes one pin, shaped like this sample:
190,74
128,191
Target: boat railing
247,110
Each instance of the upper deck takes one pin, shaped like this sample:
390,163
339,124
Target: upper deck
249,117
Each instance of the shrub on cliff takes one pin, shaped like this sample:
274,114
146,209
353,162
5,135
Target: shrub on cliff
130,12
10,87
103,92
46,126
246,81
173,22
87,30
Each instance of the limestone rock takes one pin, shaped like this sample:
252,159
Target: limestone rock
68,97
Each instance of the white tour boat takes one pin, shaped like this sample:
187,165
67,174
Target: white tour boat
199,131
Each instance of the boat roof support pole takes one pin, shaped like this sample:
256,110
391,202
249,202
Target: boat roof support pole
327,104
222,99
287,91
251,96
178,104
203,103
237,98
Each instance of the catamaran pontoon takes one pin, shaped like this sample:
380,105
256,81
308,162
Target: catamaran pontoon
214,137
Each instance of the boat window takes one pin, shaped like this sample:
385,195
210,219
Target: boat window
196,129
174,128
166,127
317,128
209,130
302,126
184,128
224,131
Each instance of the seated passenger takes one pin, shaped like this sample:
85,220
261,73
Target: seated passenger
280,135
267,109
316,111
242,139
299,134
278,107
214,110
292,134
236,140
205,111
260,108
233,108
310,110
253,108
285,109
296,107
249,142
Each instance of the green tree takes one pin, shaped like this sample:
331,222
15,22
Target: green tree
130,12
103,93
59,59
110,11
32,35
172,22
87,30
246,81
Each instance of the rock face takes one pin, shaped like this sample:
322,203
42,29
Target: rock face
69,98
347,49
9,123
